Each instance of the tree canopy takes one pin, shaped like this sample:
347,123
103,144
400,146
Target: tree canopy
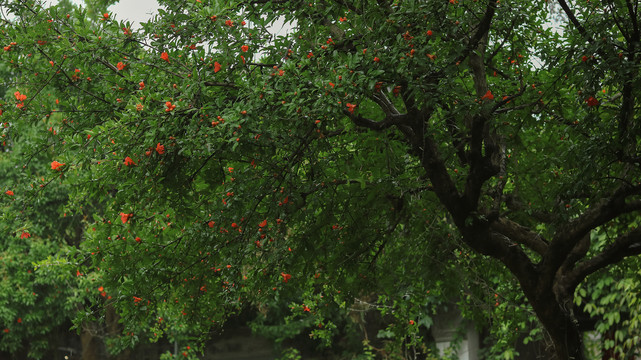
395,153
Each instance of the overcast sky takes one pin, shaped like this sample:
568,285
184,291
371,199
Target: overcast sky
134,10
138,11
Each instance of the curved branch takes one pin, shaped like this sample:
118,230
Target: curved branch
574,20
626,245
220,84
384,102
520,234
568,236
483,28
444,186
389,121
603,212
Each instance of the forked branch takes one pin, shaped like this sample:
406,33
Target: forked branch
520,234
628,244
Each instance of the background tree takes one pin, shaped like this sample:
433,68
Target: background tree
36,306
353,156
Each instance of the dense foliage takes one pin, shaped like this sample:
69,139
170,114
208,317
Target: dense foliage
395,156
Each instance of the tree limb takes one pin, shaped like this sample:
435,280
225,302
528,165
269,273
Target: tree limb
567,236
603,212
574,20
520,234
481,167
483,28
384,102
444,186
220,84
628,244
389,121
632,12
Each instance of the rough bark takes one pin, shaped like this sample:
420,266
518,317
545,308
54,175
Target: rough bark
89,344
561,326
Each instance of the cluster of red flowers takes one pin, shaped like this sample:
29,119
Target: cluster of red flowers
56,165
160,149
21,98
351,107
488,96
592,101
129,161
125,217
8,47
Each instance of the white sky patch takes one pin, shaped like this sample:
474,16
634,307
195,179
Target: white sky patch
279,27
135,11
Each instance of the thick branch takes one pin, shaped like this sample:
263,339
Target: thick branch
393,117
220,84
483,28
514,258
520,234
483,147
384,102
479,156
574,20
478,68
567,236
632,12
444,187
603,212
628,244
627,114
389,121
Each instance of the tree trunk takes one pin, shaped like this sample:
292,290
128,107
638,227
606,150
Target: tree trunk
560,325
89,345
568,341
114,329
